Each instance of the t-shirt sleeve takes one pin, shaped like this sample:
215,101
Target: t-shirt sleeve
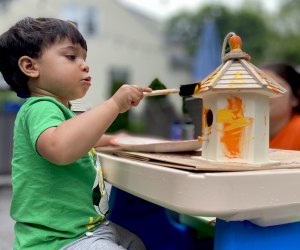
41,116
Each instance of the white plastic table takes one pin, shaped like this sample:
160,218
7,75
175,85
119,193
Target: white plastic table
264,197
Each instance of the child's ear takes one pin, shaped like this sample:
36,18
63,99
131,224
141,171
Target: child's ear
28,66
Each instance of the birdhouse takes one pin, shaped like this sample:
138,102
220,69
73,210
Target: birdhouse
236,101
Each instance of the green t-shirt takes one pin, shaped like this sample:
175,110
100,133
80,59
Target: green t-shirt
52,205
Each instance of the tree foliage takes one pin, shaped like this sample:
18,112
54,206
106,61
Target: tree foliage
265,37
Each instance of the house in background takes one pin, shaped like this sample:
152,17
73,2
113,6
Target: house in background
124,46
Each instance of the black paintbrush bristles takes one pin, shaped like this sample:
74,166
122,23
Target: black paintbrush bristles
188,89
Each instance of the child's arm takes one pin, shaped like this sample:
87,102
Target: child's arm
105,140
73,138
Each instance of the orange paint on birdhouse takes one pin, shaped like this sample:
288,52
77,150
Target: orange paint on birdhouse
234,123
197,87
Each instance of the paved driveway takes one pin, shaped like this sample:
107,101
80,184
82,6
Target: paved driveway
7,224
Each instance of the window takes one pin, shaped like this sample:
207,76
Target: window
86,16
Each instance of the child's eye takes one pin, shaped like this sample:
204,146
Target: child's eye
71,57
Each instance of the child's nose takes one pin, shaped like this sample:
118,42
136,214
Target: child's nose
85,67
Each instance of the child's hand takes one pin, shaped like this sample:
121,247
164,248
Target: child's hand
128,96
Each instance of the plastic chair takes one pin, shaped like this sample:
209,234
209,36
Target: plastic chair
155,225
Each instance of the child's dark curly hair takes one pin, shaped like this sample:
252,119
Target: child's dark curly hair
29,37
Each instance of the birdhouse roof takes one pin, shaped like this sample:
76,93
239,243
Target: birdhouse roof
239,74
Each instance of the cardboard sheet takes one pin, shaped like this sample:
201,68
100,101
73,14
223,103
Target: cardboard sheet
191,161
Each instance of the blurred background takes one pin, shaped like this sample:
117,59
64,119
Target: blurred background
137,41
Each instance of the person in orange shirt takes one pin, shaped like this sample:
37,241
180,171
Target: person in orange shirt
285,109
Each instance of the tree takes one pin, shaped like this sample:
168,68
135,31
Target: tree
249,21
285,38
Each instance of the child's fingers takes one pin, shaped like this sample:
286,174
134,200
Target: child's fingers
138,92
146,90
141,89
129,95
136,99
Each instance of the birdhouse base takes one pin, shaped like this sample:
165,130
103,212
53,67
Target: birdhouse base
237,163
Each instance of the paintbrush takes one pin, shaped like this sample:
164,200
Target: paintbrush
161,92
189,89
184,90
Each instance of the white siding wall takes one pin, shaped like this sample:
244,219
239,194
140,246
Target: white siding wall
125,40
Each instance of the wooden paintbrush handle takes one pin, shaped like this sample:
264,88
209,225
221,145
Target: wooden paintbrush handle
161,92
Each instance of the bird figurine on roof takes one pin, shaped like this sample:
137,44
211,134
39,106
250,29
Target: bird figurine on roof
235,112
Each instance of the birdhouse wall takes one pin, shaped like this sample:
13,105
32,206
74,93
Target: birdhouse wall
235,127
260,141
